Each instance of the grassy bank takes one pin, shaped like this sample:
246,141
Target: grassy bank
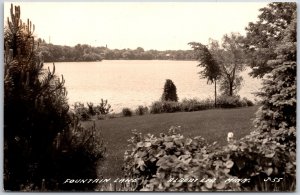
213,125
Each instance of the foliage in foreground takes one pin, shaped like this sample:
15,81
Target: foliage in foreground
253,159
77,153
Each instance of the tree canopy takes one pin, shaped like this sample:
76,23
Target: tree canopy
230,57
264,35
211,69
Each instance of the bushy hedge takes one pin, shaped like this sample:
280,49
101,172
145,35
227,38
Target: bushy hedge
190,105
253,159
164,107
225,101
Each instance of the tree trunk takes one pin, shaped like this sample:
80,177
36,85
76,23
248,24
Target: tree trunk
230,88
215,94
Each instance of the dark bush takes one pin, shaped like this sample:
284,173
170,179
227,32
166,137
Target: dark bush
126,112
248,102
78,150
91,109
170,91
170,106
141,110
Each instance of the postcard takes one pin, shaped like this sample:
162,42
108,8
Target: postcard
150,96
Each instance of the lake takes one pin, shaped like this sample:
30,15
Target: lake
130,83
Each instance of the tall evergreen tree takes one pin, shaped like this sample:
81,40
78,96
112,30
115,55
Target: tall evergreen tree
35,106
170,91
278,110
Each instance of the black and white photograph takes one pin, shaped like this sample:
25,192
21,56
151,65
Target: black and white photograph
149,96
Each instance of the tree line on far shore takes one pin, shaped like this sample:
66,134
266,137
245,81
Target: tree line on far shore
85,52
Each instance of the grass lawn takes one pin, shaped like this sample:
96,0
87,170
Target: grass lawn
213,125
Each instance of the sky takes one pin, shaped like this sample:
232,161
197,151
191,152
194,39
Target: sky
150,25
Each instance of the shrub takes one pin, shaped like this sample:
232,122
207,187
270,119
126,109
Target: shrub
248,102
103,108
155,160
190,105
156,107
78,150
126,112
170,91
225,101
255,158
170,106
141,110
86,113
82,112
164,107
91,109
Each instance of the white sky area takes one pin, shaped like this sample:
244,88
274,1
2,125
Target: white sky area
151,25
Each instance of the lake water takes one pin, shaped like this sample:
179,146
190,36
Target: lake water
130,83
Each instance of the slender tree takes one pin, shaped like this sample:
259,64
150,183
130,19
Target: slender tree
230,57
211,69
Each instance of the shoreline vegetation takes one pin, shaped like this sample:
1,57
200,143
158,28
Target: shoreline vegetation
103,110
87,53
